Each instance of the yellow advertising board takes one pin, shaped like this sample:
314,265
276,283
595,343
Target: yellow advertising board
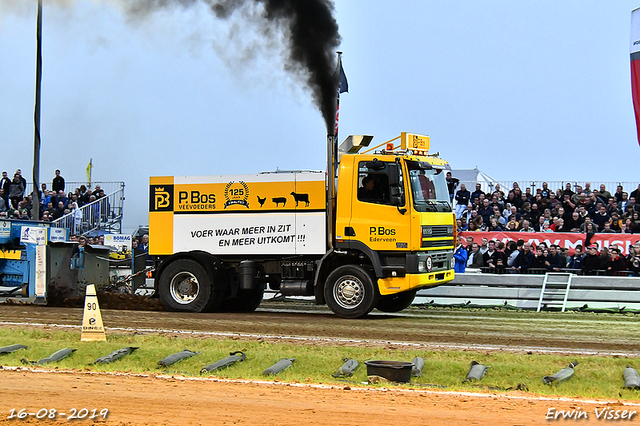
282,213
414,142
267,192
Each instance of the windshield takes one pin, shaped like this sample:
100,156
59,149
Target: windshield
428,188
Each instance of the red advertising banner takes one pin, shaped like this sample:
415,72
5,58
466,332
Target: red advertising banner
566,240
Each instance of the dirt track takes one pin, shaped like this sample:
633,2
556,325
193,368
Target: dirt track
159,400
167,401
438,327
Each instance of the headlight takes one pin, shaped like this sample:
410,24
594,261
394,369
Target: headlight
422,267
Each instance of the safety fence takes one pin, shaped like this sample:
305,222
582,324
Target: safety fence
103,215
542,271
533,185
71,186
616,293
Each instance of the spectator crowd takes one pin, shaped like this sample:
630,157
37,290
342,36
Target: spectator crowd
574,209
52,203
563,210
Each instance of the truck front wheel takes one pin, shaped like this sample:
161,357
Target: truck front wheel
185,286
350,291
396,302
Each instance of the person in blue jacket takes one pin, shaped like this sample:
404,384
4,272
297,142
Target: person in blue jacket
460,257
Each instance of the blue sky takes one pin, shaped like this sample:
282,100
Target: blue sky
523,90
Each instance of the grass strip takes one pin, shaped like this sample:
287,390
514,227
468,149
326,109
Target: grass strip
595,376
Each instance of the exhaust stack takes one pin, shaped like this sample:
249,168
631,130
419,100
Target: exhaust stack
331,188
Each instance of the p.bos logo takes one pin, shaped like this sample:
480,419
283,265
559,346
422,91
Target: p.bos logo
161,198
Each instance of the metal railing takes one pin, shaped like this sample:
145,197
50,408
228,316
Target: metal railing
523,291
104,214
107,187
543,271
506,186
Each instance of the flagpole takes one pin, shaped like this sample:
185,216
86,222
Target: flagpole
339,67
332,164
35,208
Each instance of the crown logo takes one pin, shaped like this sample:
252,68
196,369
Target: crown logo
161,198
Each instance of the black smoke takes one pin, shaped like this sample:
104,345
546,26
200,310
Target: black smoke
311,35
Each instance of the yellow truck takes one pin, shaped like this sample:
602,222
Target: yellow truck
370,238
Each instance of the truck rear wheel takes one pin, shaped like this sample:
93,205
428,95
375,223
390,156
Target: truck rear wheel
396,302
350,291
185,286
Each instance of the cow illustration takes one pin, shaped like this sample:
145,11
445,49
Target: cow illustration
301,197
279,200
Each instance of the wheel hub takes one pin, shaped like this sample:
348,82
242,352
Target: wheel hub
349,292
184,288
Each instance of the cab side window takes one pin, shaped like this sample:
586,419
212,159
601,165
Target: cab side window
375,180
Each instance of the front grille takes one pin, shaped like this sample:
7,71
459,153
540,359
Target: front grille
437,231
439,257
437,243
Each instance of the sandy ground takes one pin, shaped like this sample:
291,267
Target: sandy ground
156,400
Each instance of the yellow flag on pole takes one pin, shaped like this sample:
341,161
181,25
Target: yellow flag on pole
89,168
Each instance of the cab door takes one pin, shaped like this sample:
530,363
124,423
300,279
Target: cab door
380,217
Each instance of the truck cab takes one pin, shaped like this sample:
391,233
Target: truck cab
393,207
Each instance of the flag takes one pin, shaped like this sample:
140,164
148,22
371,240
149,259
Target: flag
343,86
635,66
89,168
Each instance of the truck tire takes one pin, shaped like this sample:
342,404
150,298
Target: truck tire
396,302
185,286
351,292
